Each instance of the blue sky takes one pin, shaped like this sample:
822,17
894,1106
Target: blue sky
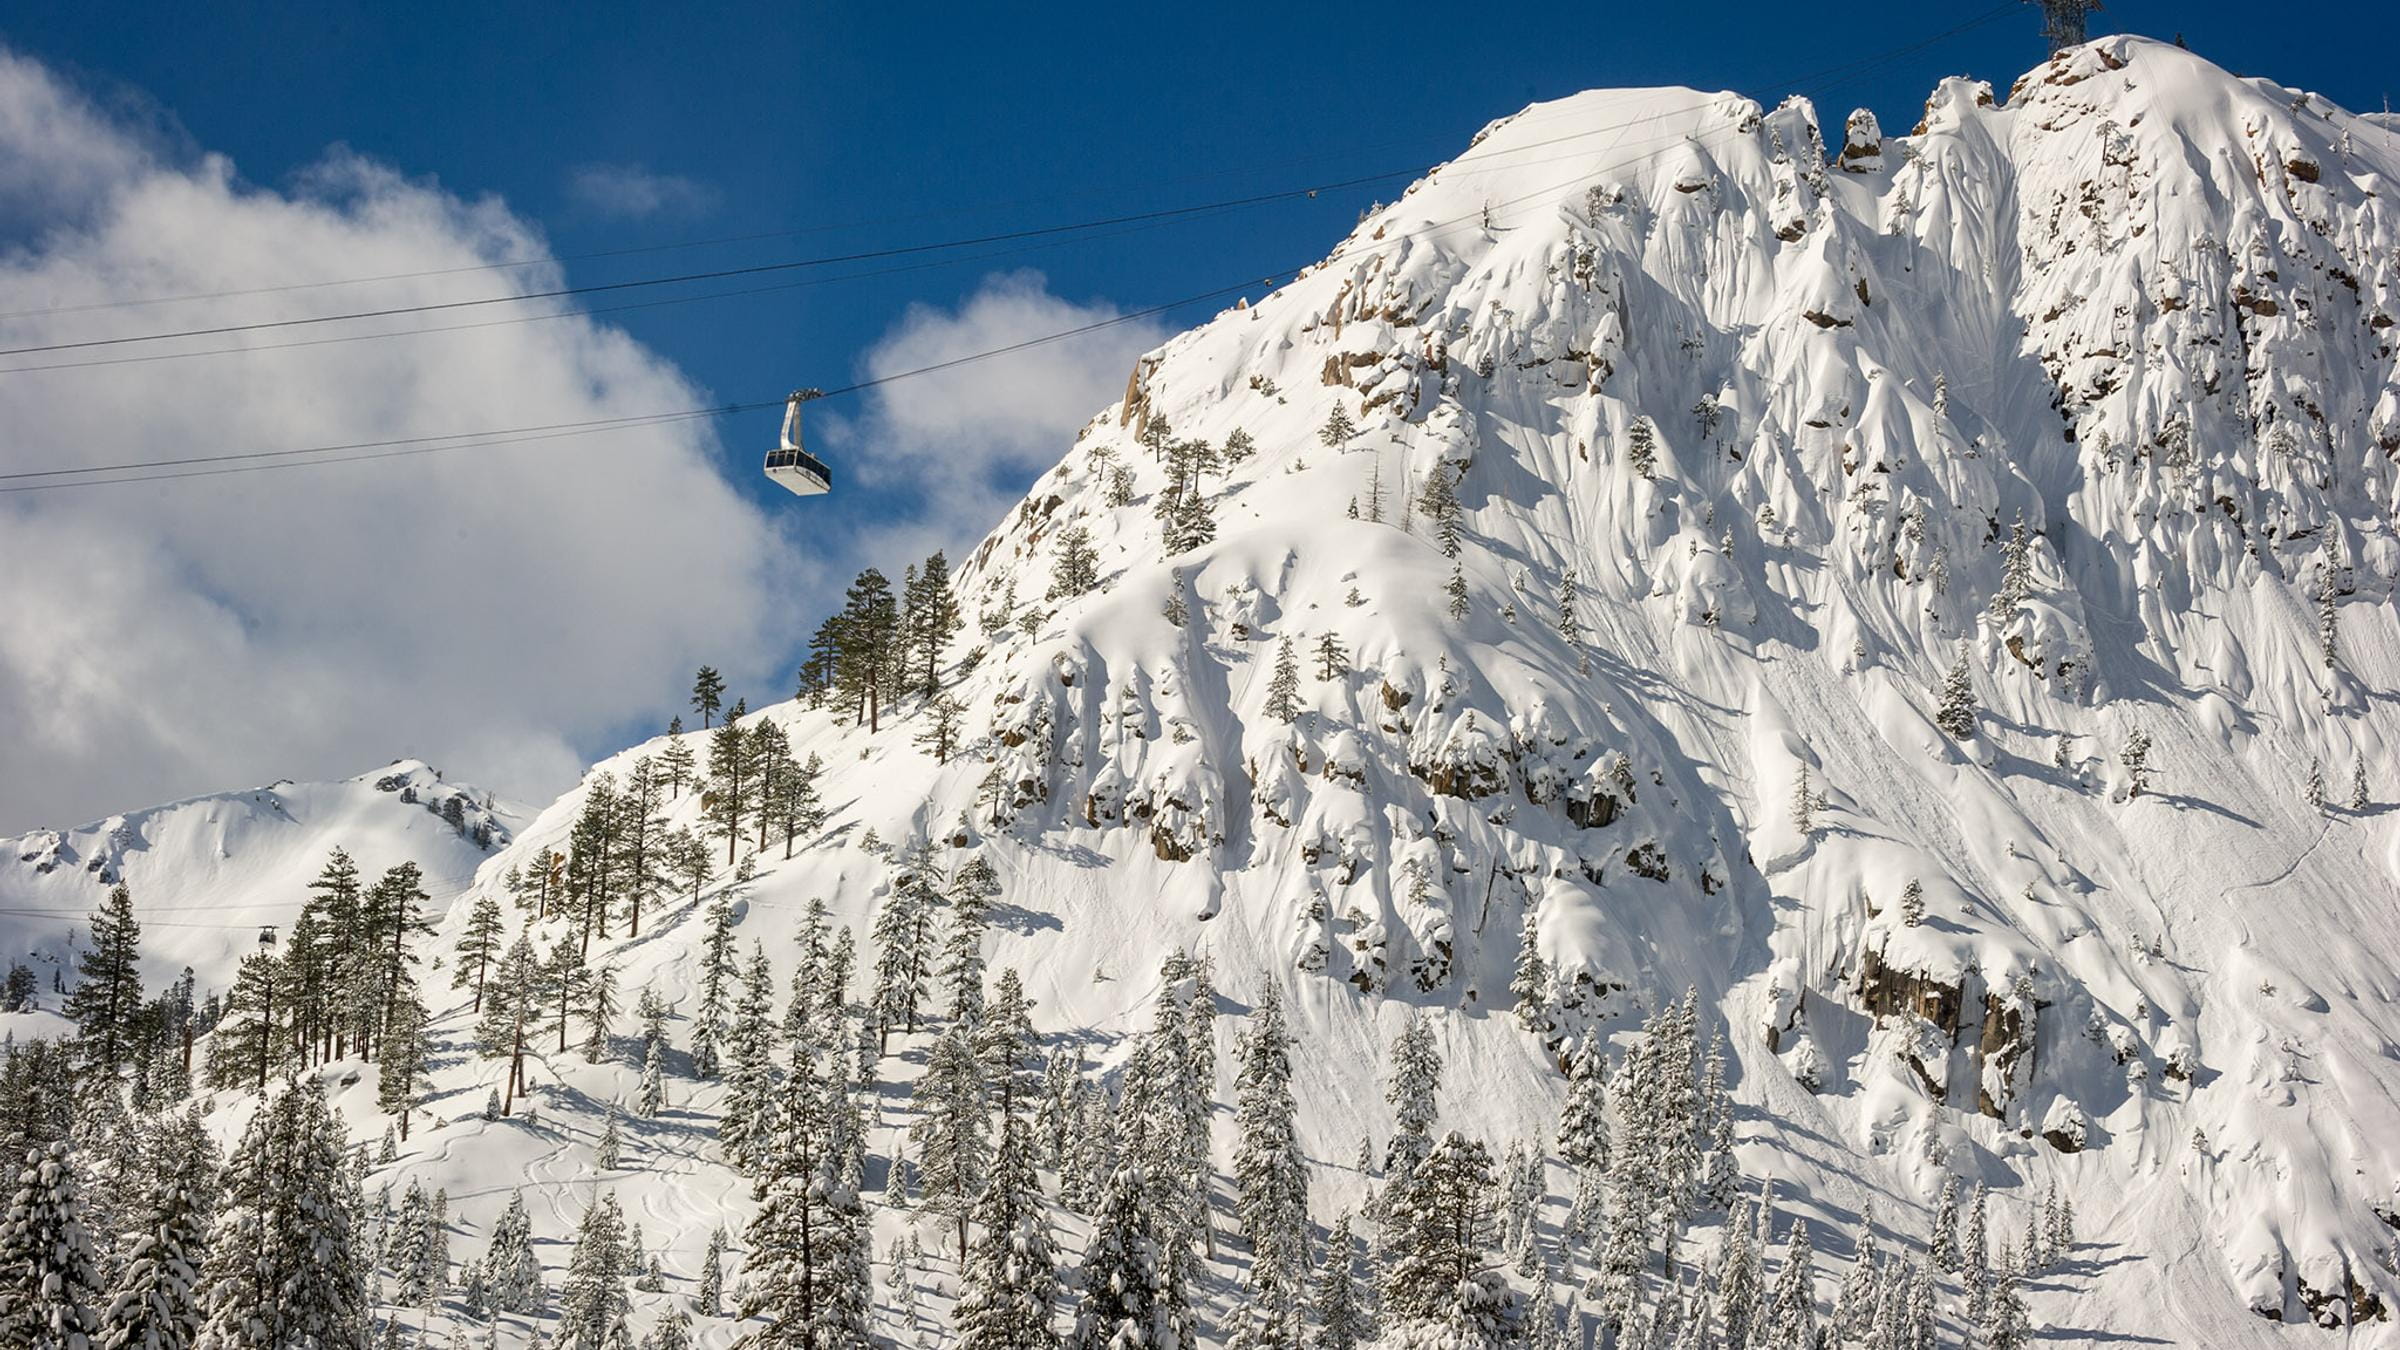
616,127
875,124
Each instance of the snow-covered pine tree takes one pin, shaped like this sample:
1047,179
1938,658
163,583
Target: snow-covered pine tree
1270,1175
50,1291
1076,570
512,1272
283,1267
1011,1281
1132,1291
650,1097
952,1128
1005,1043
1912,903
809,1270
720,974
1437,1274
1975,1263
2360,799
2313,791
592,1302
1439,501
1641,448
1283,689
1944,1244
1956,713
1804,804
1412,1087
1340,1306
746,1121
1791,1314
709,1299
154,1303
1338,428
609,1154
1529,982
1741,1278
2136,759
1456,589
973,887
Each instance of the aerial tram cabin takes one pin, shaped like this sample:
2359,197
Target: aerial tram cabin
791,465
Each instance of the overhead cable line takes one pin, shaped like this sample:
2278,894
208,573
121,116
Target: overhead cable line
347,452
1843,72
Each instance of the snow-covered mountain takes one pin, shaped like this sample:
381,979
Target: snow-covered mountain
207,874
1901,587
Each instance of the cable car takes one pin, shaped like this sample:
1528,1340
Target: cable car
789,464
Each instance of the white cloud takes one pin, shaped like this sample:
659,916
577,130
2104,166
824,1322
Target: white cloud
499,611
631,192
971,438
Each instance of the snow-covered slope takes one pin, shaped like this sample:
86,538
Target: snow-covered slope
208,873
2092,389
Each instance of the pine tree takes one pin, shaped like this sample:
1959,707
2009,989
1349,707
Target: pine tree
1270,1174
1944,1246
2007,1324
1741,1280
1912,903
1132,1293
902,936
971,892
479,945
1975,1266
2136,759
1010,1282
1804,804
407,1053
1641,448
284,1267
1076,570
1530,983
1342,1320
945,719
809,1273
952,1128
1283,690
650,1097
512,1273
2016,572
1004,1041
1332,661
1439,502
2314,791
109,995
1411,1088
711,1296
49,1277
1239,446
1956,716
592,1302
1791,1315
677,761
1338,428
1456,589
933,619
708,695
2360,800
510,1012
155,1303
1437,1273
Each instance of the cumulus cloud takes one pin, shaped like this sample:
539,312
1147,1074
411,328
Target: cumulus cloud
502,611
631,192
969,439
